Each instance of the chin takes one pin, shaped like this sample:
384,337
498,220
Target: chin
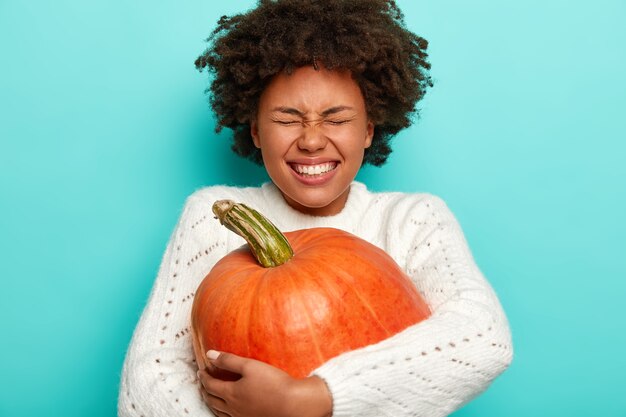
317,202
312,203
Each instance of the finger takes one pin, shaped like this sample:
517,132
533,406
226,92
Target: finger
213,401
210,367
202,376
228,361
213,386
219,413
216,405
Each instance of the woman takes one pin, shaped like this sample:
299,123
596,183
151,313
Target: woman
313,89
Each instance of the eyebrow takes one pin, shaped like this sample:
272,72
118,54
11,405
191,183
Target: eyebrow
296,112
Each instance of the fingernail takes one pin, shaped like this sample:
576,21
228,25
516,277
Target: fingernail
212,354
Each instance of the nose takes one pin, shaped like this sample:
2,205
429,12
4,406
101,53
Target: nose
312,138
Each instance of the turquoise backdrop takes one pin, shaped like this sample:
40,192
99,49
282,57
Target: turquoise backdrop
105,130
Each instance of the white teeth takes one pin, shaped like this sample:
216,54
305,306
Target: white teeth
314,169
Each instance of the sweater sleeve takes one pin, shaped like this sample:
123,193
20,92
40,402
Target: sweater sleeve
436,366
159,373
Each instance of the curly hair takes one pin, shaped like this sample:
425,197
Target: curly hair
366,37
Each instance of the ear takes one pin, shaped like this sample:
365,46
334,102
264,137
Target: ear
369,134
254,132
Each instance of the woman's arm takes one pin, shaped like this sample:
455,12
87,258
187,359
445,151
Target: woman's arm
436,366
159,376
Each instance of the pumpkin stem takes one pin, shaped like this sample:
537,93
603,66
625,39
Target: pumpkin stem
268,245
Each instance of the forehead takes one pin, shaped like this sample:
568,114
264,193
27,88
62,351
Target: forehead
309,89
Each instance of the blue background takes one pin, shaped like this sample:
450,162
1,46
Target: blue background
105,130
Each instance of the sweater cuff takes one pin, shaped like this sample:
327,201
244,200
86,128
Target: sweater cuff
338,384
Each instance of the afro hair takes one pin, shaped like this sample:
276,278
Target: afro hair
366,37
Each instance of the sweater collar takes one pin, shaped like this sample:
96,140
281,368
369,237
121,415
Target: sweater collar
287,218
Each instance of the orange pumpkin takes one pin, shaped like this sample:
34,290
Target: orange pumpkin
297,308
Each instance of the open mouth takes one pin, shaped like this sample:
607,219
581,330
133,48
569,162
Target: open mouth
313,170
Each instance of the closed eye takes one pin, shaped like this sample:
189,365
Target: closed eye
337,122
287,122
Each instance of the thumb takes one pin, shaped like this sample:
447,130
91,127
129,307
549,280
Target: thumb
227,361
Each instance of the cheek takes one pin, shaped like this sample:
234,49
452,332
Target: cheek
269,155
351,142
273,152
275,142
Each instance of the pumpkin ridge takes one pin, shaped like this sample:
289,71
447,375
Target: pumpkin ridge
340,273
307,314
264,311
251,311
236,305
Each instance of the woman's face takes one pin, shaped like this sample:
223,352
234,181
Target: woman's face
312,129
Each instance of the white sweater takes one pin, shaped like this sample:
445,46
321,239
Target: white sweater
430,369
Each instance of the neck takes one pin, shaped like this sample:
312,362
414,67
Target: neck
331,209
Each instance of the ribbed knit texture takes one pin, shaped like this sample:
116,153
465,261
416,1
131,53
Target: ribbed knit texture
429,369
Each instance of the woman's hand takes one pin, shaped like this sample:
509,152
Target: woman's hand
262,391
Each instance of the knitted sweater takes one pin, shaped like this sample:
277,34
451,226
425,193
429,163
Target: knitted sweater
429,369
